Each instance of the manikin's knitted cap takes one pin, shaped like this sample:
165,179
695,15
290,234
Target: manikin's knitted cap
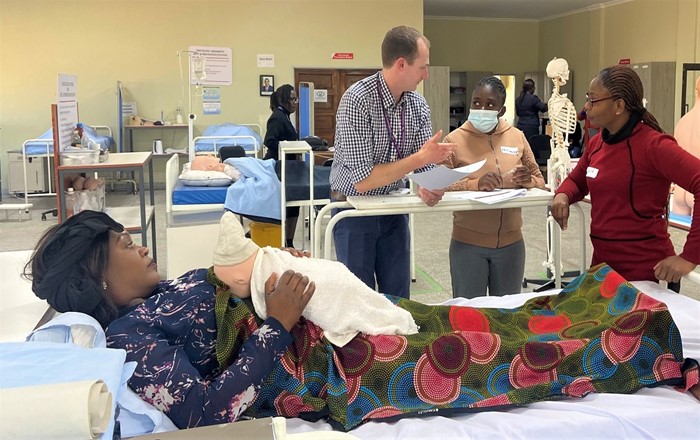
233,246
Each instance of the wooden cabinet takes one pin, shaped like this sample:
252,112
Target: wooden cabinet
659,81
437,94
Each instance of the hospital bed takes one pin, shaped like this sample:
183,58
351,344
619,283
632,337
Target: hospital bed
182,198
660,412
214,137
42,147
195,211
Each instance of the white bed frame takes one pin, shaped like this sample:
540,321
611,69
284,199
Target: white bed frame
172,171
49,170
48,143
299,147
225,140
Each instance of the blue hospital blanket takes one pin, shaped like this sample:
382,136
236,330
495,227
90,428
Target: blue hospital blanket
37,147
258,191
42,363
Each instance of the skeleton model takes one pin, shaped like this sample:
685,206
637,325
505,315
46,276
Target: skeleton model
562,117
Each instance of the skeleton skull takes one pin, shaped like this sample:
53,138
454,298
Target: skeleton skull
558,70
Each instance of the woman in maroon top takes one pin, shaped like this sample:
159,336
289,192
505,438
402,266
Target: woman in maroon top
628,169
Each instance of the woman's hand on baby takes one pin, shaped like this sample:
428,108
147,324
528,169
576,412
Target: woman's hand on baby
297,252
287,299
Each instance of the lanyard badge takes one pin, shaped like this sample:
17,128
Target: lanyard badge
397,144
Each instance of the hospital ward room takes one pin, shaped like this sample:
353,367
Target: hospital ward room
349,219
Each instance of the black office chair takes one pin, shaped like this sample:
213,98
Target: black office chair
541,148
231,151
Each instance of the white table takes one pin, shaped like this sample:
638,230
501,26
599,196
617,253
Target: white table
451,201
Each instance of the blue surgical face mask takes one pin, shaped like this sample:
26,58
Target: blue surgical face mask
483,120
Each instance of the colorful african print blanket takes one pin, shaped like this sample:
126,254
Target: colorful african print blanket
599,335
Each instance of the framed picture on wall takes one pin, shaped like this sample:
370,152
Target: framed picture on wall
267,85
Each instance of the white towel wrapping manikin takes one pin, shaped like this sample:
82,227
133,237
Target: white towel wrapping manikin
342,304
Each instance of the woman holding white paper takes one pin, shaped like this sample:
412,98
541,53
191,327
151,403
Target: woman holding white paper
487,251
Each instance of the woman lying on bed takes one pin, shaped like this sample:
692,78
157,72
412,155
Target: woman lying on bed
599,335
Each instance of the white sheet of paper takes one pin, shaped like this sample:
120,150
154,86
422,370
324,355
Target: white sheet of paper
441,177
491,197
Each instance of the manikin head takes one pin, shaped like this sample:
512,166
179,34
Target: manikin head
558,70
207,163
234,256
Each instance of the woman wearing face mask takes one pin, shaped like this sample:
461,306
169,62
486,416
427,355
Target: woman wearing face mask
487,251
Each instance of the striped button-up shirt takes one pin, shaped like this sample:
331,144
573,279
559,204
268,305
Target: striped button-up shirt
372,129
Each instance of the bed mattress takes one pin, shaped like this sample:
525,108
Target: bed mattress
198,195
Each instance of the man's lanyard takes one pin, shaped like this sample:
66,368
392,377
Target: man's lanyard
399,144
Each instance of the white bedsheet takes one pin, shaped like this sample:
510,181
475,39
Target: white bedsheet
651,413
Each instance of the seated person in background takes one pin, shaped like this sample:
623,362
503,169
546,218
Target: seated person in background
244,267
588,130
212,163
575,146
203,357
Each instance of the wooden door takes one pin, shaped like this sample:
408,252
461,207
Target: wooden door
335,82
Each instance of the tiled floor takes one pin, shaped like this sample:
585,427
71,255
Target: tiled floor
432,241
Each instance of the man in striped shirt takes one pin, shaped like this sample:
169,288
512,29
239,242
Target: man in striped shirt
383,132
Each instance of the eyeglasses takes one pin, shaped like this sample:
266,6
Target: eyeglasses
294,99
592,101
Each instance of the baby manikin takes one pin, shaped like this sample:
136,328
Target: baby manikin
342,305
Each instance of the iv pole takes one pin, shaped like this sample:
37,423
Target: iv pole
196,63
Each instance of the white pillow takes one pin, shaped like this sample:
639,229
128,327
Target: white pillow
203,178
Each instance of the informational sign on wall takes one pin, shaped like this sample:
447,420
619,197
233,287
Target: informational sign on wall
343,56
211,65
129,108
67,108
320,95
266,60
211,100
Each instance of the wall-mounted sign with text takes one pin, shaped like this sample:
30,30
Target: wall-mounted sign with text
320,95
343,55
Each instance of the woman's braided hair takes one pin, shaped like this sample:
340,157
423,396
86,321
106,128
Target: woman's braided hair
624,83
496,84
281,97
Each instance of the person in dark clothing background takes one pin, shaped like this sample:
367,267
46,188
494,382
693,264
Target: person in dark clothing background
527,107
283,102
